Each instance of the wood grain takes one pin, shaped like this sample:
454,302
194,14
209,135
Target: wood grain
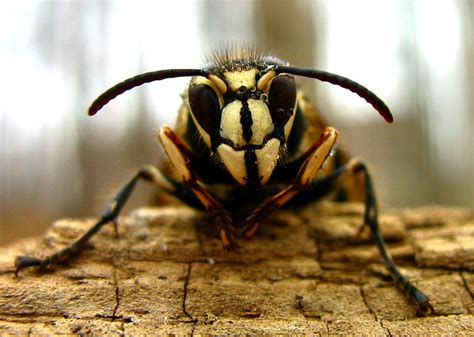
306,271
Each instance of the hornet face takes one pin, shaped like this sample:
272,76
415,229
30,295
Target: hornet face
243,106
245,117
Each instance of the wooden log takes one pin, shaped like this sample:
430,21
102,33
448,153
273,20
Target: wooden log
306,271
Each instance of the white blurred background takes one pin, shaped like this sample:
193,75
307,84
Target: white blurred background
57,56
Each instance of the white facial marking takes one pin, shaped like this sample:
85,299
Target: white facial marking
237,79
267,159
234,161
231,128
289,125
205,136
262,121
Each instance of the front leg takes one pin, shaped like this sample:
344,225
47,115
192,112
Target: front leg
181,158
315,157
357,167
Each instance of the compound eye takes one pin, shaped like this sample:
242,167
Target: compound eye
282,98
205,107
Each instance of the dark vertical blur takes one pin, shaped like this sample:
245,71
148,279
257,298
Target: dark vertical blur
55,57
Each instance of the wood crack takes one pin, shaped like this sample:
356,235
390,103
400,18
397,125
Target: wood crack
464,281
117,292
364,299
466,286
186,284
389,333
136,288
372,312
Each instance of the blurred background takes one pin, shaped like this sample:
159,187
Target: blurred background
57,56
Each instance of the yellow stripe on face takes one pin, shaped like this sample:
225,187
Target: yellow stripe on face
234,161
267,158
262,121
231,128
289,125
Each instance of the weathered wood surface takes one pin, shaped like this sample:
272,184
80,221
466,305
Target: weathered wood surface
304,272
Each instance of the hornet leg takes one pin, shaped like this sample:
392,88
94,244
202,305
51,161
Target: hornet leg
179,155
371,220
315,158
110,214
355,173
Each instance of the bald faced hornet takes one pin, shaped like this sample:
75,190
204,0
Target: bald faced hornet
245,129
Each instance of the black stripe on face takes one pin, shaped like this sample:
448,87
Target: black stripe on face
251,165
246,120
